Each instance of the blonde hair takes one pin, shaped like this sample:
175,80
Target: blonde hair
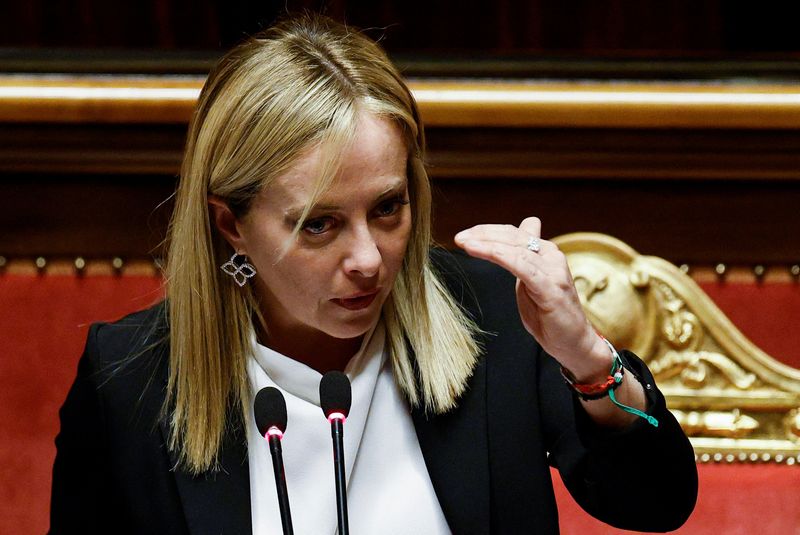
298,85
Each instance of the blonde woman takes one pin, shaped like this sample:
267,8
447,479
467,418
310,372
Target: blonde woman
300,244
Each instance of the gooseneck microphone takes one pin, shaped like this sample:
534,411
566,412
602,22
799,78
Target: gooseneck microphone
270,411
335,397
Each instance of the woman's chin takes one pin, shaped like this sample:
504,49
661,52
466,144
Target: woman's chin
354,327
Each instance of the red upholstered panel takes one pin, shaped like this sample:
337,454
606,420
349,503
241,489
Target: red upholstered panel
768,314
43,325
736,499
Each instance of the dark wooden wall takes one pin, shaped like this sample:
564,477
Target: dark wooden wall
695,196
649,28
702,195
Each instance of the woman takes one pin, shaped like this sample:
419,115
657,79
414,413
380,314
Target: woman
300,243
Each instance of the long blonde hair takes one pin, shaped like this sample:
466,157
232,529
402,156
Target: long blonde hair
297,85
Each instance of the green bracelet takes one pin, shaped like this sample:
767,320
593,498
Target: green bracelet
616,368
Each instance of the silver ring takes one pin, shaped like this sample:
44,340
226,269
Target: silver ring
533,245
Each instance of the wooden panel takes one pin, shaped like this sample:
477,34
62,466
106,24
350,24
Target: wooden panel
82,168
615,27
69,216
100,150
594,153
694,222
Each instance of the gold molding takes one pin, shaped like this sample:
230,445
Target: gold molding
98,99
613,104
453,103
735,402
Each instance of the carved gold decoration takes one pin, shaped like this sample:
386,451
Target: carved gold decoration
718,424
734,401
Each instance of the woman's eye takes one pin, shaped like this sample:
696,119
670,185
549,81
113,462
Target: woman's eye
390,207
318,226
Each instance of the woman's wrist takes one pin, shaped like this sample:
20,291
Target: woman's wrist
593,366
619,402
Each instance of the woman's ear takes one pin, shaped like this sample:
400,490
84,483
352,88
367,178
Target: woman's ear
226,223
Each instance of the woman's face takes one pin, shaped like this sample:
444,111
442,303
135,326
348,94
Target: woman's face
336,274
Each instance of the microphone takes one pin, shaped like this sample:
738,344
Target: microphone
335,397
270,411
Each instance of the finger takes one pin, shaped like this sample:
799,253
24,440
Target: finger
507,234
528,267
532,226
485,237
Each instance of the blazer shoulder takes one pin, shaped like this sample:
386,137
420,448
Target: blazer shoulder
482,288
457,263
137,344
457,268
129,336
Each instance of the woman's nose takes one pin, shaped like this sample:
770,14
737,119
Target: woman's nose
363,257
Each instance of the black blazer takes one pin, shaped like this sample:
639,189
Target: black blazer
488,459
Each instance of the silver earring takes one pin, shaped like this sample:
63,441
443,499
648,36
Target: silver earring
239,268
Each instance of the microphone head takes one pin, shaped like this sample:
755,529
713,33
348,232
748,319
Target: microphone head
334,393
270,410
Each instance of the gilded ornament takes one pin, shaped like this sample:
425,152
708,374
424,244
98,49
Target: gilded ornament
735,402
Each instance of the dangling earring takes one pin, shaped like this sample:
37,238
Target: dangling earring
239,268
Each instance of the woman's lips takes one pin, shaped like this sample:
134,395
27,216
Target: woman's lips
358,302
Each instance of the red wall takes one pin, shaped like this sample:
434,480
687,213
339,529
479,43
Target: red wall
43,324
768,314
739,499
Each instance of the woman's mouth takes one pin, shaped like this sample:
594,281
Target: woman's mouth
357,302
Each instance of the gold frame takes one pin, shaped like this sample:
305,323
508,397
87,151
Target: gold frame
736,403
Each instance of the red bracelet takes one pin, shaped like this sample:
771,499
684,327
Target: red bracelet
596,390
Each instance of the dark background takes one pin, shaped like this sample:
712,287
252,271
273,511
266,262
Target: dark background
630,38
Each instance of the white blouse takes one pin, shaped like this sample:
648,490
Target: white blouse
389,490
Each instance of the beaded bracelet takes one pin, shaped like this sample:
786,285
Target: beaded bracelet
589,392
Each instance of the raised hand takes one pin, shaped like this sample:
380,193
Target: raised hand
547,300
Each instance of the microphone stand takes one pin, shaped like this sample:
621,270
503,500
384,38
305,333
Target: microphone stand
275,450
337,434
335,397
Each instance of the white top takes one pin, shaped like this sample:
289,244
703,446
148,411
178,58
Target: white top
389,490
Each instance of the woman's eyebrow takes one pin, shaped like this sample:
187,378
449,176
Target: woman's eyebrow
399,187
295,213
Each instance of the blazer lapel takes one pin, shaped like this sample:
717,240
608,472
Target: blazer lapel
217,502
456,451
